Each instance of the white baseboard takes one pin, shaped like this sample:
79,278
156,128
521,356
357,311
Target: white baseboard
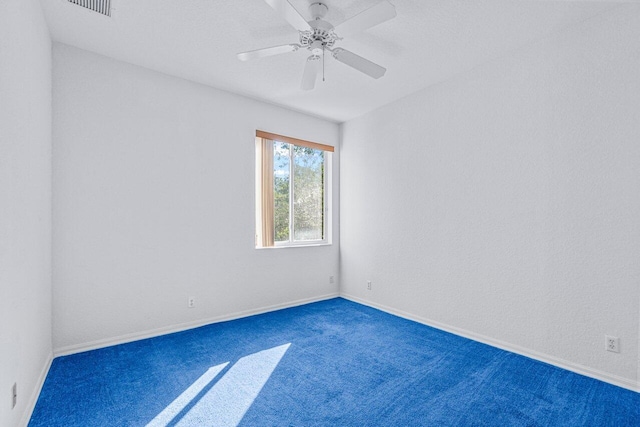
542,357
31,404
92,345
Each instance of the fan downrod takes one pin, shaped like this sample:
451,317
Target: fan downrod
318,10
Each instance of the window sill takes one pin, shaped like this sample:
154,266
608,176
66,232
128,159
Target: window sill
300,245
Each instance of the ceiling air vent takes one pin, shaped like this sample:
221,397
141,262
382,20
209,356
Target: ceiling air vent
100,6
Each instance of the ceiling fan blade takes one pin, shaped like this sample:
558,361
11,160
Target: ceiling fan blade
289,13
268,51
359,63
311,70
368,18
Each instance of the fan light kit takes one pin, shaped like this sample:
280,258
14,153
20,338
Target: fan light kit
318,36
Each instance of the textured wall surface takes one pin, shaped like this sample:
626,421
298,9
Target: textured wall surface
154,202
504,204
25,205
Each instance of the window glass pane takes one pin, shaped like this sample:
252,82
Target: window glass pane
308,193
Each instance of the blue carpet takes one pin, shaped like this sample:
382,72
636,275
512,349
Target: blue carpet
332,363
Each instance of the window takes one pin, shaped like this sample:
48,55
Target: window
291,191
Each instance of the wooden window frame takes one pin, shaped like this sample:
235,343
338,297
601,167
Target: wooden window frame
263,240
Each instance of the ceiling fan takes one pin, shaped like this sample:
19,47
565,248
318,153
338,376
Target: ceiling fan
319,35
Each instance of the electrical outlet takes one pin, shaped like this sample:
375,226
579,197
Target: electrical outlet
14,395
612,343
368,285
192,302
331,280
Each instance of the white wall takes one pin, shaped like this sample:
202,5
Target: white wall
154,202
504,204
25,205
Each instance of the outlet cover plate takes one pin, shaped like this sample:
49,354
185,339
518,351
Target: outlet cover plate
612,343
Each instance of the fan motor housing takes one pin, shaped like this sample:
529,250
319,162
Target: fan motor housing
321,31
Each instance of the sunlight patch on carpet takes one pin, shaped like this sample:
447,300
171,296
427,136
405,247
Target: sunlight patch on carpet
181,402
226,402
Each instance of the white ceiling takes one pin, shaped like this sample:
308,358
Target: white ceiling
428,42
